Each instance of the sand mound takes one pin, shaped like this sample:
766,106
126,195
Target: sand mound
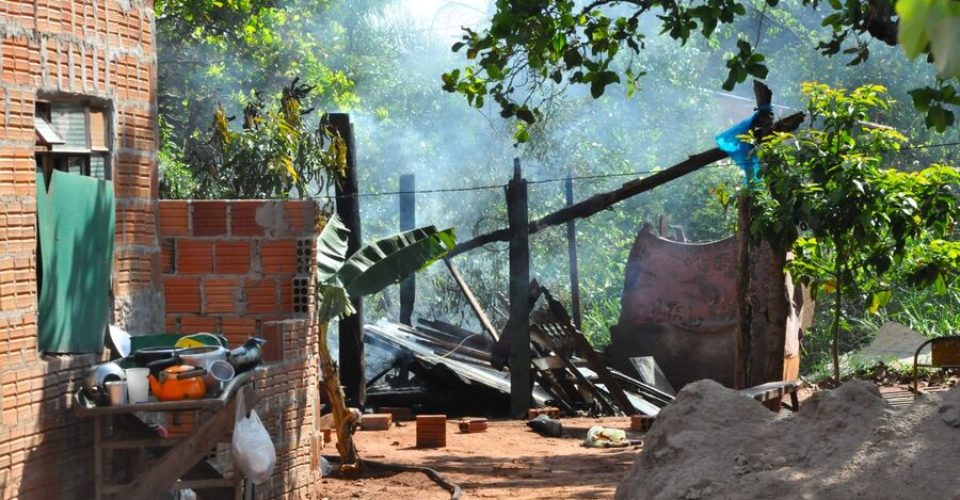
713,442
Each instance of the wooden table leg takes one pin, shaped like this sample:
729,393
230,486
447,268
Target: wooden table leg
98,457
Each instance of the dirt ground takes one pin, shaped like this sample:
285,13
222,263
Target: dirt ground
507,461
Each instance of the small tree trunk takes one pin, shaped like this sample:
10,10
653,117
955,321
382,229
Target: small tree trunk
837,295
343,418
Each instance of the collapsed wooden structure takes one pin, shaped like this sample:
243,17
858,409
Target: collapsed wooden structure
756,355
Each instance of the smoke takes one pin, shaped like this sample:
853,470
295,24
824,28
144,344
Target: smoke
395,51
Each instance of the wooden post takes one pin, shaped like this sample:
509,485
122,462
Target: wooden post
742,372
757,337
520,381
408,221
572,254
348,207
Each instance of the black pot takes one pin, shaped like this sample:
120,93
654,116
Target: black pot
147,355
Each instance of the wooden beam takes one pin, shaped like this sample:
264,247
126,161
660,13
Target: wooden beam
602,201
408,221
520,382
348,207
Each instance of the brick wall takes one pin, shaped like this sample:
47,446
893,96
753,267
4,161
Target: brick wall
103,50
242,268
230,266
289,408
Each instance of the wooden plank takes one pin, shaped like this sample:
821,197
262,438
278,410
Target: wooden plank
520,382
126,444
137,429
163,473
584,383
583,347
602,201
348,207
472,300
408,221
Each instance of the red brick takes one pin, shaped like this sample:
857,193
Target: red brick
194,257
219,295
168,256
171,324
182,295
209,218
261,296
272,332
278,257
243,218
174,217
299,216
286,295
197,324
238,330
232,257
376,421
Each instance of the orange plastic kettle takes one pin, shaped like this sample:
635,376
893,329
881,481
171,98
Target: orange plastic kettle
178,382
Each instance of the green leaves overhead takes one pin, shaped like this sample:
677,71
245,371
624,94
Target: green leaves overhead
534,48
375,266
931,26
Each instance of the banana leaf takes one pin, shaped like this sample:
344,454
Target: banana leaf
373,267
331,249
391,259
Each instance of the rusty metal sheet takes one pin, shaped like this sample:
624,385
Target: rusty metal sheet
945,351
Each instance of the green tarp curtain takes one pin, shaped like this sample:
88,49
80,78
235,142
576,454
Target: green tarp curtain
75,232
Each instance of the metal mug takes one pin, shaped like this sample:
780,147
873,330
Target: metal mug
117,390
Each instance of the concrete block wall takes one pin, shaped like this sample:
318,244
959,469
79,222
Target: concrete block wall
101,50
230,266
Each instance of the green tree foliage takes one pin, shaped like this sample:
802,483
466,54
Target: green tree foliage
223,56
855,227
539,44
275,154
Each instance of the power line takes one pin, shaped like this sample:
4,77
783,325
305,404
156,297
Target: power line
490,187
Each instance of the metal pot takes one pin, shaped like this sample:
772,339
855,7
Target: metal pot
94,384
147,355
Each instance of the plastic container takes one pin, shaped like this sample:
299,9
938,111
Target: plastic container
137,386
117,390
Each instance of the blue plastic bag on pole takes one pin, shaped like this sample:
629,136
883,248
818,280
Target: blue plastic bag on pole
740,152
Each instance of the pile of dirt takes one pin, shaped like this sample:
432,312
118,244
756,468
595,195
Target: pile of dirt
713,442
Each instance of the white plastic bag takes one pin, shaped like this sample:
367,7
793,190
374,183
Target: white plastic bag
252,450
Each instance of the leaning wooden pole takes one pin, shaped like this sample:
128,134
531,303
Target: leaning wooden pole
602,201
